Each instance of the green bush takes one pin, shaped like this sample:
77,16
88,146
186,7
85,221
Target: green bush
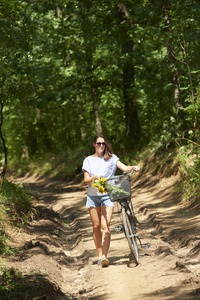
15,198
15,209
191,185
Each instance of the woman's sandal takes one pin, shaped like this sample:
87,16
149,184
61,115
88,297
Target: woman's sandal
104,262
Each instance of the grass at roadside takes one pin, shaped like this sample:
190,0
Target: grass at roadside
15,210
184,160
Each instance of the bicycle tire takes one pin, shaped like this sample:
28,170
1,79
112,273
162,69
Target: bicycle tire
135,222
130,234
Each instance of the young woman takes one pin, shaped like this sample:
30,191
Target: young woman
102,163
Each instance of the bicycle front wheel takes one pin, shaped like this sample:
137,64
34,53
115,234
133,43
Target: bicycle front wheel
130,234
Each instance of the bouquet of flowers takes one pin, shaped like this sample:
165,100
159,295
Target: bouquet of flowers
115,192
100,184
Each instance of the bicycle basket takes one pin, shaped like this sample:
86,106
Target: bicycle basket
93,192
119,187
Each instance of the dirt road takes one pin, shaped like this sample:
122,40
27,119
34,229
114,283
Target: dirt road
58,245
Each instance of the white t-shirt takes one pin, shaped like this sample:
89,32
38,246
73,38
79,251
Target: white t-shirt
99,166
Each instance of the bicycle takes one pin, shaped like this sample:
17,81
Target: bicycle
127,211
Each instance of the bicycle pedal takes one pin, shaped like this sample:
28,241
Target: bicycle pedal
119,228
146,245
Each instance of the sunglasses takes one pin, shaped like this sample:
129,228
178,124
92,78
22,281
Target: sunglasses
99,144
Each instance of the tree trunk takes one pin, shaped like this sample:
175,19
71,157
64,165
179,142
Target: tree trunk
97,120
3,172
130,97
172,59
81,118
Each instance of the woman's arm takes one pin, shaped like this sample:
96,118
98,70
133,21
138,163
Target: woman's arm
88,179
125,168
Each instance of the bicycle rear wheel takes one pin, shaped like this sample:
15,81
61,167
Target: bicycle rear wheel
130,231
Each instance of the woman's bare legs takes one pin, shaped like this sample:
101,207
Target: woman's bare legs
101,217
95,215
106,215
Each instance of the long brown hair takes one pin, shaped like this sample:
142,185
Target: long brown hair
108,152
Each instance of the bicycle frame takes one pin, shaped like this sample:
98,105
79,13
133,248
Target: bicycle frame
128,215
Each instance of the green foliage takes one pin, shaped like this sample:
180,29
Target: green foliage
15,209
65,164
116,192
11,280
16,199
15,285
182,159
60,58
5,248
190,170
191,186
3,242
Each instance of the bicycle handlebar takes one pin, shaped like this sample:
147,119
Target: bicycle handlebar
125,173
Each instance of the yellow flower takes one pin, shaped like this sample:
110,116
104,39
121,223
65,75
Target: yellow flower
95,185
102,190
102,179
100,185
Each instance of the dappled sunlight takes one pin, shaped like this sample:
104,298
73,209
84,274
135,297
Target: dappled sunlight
61,243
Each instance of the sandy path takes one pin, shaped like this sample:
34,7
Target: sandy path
162,272
169,269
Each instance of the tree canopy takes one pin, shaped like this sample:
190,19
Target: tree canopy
70,69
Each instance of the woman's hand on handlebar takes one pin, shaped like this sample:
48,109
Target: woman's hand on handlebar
136,168
127,169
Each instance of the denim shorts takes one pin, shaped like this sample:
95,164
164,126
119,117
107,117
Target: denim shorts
97,201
